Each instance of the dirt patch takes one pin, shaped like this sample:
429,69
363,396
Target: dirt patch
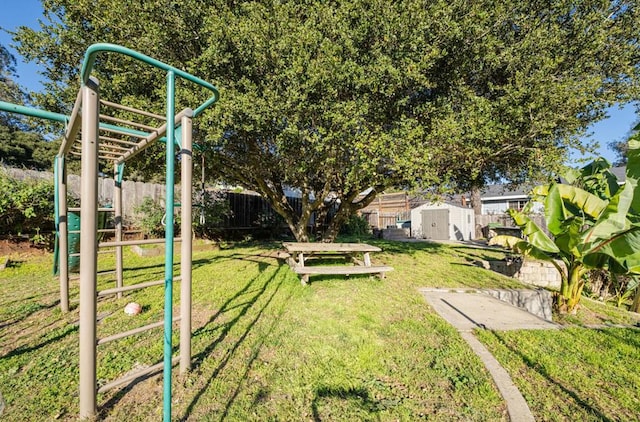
19,247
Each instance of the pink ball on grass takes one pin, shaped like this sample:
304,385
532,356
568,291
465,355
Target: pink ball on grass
132,308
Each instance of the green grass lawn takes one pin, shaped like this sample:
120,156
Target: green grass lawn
573,374
267,348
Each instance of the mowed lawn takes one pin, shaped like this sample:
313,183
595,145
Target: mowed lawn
267,348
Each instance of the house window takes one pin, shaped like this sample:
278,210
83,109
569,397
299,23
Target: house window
518,204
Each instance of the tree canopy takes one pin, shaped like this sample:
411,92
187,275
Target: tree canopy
18,146
10,90
339,98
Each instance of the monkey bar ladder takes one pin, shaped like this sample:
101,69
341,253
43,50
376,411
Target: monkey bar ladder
105,137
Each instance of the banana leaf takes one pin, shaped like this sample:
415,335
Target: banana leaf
534,234
633,172
583,201
569,238
525,248
597,178
624,248
554,211
614,218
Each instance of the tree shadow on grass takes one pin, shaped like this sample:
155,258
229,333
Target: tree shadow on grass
410,248
69,329
244,309
531,363
33,296
614,333
357,395
28,311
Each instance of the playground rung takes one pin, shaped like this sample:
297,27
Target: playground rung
123,132
78,209
110,156
133,110
99,231
100,252
135,242
112,148
126,122
99,273
134,331
117,141
134,287
128,378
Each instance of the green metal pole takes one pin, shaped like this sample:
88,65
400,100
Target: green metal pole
168,258
33,112
56,211
117,206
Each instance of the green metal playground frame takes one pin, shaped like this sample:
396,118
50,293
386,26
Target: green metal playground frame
109,138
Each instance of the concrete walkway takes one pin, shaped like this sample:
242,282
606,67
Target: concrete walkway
468,311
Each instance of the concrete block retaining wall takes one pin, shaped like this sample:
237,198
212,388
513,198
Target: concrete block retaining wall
535,273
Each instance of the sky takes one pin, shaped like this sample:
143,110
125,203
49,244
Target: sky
16,13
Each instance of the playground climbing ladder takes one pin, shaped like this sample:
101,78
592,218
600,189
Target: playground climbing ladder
105,137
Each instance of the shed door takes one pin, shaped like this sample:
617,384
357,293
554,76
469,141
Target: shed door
435,224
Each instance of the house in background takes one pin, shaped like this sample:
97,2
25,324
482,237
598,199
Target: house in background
453,219
497,199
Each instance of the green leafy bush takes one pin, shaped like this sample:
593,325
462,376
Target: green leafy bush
26,206
150,217
594,223
356,225
210,209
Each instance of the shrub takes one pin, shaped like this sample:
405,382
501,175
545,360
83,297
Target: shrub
149,217
209,211
26,206
356,225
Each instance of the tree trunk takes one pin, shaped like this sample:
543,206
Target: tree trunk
571,289
635,306
476,204
333,229
299,225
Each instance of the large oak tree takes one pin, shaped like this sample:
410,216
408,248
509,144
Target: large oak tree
339,98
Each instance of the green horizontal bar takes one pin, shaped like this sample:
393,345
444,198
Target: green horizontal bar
33,112
124,129
57,117
93,50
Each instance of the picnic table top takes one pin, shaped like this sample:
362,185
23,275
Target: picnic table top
329,247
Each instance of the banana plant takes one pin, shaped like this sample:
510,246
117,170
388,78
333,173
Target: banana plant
594,224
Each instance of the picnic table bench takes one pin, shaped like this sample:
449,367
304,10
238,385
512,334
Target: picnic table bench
301,252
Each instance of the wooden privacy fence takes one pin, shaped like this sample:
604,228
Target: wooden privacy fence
135,192
380,220
252,211
247,210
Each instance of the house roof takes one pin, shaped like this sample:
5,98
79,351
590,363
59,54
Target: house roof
501,191
505,191
620,173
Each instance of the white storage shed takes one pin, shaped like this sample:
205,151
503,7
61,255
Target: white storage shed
442,222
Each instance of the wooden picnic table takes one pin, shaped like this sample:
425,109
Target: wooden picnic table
302,251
